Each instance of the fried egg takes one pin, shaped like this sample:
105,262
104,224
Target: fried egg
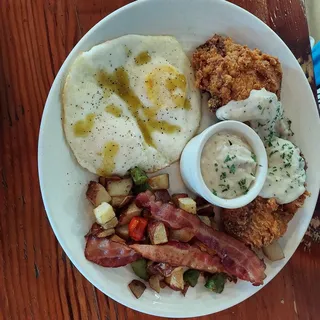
130,102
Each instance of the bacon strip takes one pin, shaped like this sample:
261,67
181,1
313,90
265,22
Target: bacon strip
107,253
180,254
237,259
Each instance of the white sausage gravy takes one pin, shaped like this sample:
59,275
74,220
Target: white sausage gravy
286,168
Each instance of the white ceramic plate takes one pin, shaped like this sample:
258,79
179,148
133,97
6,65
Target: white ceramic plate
63,181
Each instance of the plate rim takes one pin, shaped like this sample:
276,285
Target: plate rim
60,74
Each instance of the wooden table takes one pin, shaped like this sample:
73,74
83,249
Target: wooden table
37,281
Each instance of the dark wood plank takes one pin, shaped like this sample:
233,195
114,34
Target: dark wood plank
37,279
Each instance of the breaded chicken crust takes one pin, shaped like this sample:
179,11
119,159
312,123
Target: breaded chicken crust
261,221
229,71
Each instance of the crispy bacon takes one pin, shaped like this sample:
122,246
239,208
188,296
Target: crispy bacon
107,253
180,254
237,259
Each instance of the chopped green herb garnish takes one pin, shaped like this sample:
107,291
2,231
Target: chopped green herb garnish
226,187
273,152
243,185
223,175
288,174
259,107
227,159
232,169
215,164
254,157
214,192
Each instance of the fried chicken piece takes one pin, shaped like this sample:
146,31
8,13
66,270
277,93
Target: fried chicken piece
260,222
229,71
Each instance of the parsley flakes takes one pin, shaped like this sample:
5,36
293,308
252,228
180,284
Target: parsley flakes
232,169
243,185
223,175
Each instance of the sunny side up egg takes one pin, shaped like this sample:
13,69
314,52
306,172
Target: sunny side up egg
130,102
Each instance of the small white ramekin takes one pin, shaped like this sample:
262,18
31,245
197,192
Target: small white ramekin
191,170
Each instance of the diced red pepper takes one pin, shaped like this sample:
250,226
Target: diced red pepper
137,228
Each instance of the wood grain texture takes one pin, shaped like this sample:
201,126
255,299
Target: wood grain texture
37,280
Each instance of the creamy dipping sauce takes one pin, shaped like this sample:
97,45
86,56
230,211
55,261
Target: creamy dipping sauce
286,168
228,165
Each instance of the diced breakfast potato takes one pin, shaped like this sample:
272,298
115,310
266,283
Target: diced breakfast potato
123,231
175,280
96,193
106,233
200,201
188,204
129,213
121,201
110,224
159,182
104,213
137,288
103,181
157,232
162,195
94,230
183,235
175,197
119,187
116,238
273,251
205,220
206,210
154,282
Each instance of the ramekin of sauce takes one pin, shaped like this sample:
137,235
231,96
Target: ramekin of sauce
226,164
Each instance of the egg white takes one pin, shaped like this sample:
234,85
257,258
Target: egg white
82,96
